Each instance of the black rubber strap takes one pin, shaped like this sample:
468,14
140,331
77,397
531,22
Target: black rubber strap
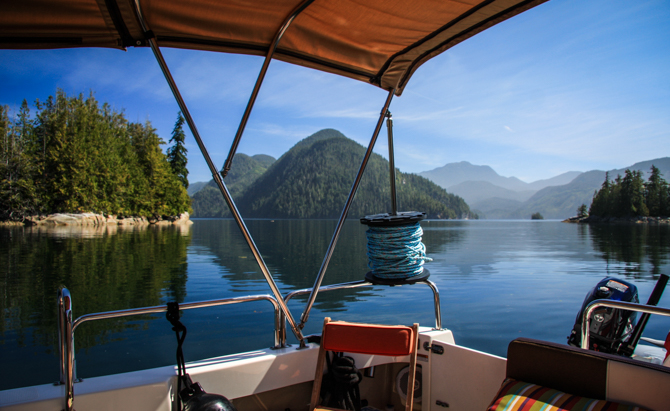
172,316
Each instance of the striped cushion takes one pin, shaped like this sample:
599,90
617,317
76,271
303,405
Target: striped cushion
522,396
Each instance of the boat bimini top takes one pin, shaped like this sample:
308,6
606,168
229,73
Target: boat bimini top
382,42
379,41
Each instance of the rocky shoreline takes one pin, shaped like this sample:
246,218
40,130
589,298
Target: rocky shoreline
629,220
95,220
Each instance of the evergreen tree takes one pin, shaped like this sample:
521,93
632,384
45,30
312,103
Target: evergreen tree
600,206
165,194
632,195
17,191
656,193
617,206
582,211
176,154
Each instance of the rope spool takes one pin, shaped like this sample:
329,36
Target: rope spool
395,250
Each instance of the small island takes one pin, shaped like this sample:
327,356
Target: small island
628,199
78,162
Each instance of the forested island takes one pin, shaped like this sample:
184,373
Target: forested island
75,155
628,198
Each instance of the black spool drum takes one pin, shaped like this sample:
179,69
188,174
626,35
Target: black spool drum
372,278
389,220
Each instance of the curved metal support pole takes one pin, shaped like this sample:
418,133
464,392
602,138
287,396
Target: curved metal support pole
66,344
261,76
342,286
436,298
217,178
389,128
588,312
363,283
345,211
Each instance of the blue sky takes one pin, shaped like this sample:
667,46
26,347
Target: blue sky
568,86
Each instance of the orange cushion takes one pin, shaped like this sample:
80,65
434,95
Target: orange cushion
392,340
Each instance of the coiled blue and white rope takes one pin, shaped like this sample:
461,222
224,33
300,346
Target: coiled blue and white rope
396,252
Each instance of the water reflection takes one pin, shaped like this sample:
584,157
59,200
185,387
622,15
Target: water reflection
630,247
91,231
497,279
293,251
105,268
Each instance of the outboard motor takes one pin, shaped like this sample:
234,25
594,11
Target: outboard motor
609,327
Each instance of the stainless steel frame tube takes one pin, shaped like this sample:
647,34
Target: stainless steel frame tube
217,178
188,306
341,286
343,216
394,198
586,319
363,283
261,76
66,345
436,301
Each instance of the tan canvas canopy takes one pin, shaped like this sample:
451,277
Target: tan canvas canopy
377,41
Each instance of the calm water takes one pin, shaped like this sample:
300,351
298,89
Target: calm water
497,279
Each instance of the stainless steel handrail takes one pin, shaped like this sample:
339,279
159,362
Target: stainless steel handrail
641,308
65,344
356,284
66,328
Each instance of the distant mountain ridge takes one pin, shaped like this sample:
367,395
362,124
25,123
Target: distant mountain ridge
313,179
455,173
208,201
497,197
475,191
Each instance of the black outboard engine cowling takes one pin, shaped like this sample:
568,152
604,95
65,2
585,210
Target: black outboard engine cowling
609,327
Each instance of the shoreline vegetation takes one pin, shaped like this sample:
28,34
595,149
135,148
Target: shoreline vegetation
622,220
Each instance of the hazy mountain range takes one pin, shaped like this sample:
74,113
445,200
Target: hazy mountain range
312,179
496,197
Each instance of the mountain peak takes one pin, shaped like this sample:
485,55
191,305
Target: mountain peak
320,135
452,174
313,178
